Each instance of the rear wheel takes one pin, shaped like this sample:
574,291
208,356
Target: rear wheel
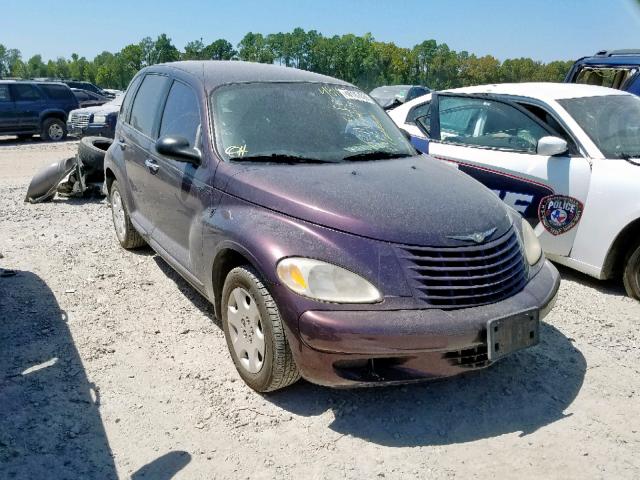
53,130
255,333
127,235
631,275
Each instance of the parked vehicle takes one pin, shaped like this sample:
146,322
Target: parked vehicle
618,69
565,156
29,108
89,87
89,99
95,121
114,92
328,248
390,96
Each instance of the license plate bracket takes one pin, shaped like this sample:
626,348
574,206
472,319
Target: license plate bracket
510,334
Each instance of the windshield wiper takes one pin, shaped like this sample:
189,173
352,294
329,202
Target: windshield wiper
376,155
278,158
633,158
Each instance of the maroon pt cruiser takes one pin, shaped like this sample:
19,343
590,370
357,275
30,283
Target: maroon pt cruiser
329,248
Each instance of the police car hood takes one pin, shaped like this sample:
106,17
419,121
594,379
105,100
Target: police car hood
413,201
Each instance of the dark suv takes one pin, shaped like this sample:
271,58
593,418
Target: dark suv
29,108
328,246
618,69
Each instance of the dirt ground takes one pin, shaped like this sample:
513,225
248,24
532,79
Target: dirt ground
111,366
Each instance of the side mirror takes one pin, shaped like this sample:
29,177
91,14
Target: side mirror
178,147
549,146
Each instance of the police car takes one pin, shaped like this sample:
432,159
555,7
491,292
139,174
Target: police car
566,156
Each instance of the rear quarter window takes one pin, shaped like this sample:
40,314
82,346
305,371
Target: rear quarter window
57,92
125,108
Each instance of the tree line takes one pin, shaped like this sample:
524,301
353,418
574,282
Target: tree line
361,60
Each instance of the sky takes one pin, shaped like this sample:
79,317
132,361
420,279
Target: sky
543,30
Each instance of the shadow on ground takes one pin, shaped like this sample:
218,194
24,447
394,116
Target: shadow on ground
613,286
198,301
521,393
50,425
164,467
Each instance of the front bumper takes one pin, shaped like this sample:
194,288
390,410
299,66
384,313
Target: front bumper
365,347
97,130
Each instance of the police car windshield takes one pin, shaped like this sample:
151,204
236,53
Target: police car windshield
306,121
611,121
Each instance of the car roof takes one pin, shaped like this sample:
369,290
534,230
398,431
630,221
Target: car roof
214,73
613,58
38,82
546,91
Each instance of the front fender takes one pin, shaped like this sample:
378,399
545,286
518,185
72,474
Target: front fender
264,237
53,112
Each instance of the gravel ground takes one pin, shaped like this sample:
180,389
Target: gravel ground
111,366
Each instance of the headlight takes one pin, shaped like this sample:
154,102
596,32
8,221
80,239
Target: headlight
532,248
326,282
99,119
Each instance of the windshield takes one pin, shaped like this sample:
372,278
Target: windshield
611,121
303,121
390,92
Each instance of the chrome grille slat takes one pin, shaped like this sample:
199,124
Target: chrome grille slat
461,277
78,120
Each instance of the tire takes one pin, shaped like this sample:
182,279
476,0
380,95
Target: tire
631,275
91,151
277,368
127,235
53,130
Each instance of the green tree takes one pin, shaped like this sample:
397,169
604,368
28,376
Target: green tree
219,49
194,51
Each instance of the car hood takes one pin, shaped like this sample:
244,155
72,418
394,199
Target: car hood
413,201
104,109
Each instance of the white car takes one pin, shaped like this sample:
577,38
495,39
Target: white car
565,156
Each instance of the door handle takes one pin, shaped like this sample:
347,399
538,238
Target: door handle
152,165
122,143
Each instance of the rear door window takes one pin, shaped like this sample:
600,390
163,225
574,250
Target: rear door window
25,92
144,112
181,115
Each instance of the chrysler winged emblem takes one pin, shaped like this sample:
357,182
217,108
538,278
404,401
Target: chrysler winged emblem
477,237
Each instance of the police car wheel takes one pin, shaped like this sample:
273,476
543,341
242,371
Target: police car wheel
631,276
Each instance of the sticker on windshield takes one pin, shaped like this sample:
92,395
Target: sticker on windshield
355,95
559,213
236,150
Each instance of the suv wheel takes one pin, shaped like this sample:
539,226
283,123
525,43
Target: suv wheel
255,334
127,235
631,275
53,130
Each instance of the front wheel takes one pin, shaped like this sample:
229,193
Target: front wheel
53,130
255,334
631,275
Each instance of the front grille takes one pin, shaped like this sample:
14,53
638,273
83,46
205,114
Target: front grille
78,120
469,358
458,277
